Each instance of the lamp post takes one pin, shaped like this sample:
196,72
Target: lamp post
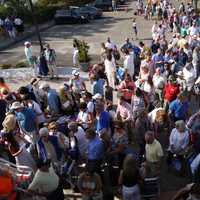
35,23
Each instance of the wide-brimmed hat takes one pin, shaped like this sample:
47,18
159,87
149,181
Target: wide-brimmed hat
16,105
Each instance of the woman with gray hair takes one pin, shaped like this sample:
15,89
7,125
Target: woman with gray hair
178,141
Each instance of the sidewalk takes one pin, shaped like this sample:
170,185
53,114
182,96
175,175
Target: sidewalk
29,31
27,73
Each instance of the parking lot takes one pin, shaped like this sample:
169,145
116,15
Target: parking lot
117,25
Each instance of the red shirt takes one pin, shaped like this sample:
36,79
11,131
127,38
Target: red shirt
171,91
127,88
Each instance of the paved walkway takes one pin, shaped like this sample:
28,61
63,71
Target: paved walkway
29,31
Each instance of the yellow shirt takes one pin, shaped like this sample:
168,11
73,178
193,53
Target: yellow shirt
154,151
182,42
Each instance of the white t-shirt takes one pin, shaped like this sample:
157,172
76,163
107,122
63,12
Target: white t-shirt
110,45
44,181
109,66
129,64
18,21
179,141
193,31
158,81
189,76
90,107
134,25
83,117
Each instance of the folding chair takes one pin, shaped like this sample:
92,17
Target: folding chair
151,188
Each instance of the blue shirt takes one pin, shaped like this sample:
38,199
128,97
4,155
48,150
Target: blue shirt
95,149
26,119
179,109
53,101
98,87
103,122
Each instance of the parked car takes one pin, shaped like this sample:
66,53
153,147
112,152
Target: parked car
121,1
105,5
93,12
69,17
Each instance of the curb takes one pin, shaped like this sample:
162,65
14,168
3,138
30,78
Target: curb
26,35
26,73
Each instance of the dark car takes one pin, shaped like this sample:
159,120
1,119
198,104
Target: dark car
69,17
93,12
121,1
105,5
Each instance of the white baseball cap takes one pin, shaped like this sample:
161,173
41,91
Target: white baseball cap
97,96
27,43
75,72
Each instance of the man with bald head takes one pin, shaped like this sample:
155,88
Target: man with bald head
153,154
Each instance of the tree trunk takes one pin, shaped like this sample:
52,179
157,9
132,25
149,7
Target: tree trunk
195,5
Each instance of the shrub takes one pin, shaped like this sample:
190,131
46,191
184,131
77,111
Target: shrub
5,11
21,65
5,66
83,49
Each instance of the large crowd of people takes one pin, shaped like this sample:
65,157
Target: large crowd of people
76,131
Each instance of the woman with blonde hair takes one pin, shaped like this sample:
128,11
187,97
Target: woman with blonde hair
66,99
129,179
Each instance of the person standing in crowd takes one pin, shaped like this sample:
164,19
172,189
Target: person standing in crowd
129,179
19,25
75,57
46,182
21,155
50,56
114,5
31,59
110,68
53,100
129,63
178,142
179,108
27,121
127,87
42,64
95,151
135,30
10,28
48,146
153,154
90,185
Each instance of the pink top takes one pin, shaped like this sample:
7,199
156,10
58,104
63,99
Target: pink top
124,110
127,88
